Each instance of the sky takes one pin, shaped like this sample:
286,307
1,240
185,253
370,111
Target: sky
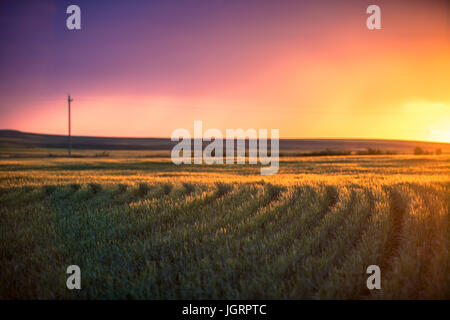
311,69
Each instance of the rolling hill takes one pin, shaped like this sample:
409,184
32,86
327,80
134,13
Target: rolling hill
18,139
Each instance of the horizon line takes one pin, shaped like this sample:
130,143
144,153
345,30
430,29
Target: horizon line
168,138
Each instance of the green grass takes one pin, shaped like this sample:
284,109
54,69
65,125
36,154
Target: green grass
141,228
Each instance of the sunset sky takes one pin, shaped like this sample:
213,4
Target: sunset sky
308,68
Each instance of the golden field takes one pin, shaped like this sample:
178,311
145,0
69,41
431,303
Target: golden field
142,227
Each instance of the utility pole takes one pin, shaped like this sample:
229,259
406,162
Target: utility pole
69,100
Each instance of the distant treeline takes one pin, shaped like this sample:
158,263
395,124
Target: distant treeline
419,151
330,152
322,153
368,151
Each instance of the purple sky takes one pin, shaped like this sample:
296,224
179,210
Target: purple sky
145,68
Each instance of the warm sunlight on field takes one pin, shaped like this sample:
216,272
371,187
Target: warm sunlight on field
145,228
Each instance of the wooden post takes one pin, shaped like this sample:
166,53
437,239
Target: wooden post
69,100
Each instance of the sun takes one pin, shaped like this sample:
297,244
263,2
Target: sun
440,135
429,120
